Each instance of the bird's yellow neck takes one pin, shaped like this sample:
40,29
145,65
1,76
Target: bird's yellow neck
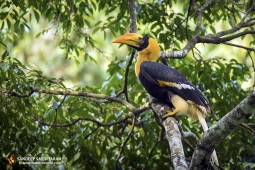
151,53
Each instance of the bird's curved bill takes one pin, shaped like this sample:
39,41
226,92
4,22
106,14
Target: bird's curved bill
131,39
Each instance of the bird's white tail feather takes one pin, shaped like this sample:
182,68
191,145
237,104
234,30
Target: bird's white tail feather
215,158
205,128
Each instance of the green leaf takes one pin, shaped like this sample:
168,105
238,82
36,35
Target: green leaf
48,112
48,98
10,38
16,25
96,29
2,25
38,35
98,150
8,23
3,15
4,66
248,165
37,15
25,25
213,29
55,105
5,54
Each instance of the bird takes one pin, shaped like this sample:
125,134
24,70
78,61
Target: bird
166,84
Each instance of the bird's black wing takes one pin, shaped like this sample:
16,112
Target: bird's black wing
160,80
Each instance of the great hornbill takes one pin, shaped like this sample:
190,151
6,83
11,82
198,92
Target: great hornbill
166,84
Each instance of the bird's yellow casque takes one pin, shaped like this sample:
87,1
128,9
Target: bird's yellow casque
166,84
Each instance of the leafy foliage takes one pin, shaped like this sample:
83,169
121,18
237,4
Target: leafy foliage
88,132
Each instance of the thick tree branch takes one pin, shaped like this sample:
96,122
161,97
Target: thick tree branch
11,93
134,111
214,39
133,13
84,94
173,136
223,128
71,93
199,15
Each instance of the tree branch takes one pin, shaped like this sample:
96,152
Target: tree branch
240,46
134,111
84,94
124,90
173,135
212,38
11,93
121,120
71,93
199,15
221,130
133,13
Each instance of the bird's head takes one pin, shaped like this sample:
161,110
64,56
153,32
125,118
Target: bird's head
147,46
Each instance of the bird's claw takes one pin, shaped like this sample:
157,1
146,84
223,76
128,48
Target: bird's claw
169,113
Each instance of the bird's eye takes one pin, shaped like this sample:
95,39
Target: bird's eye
141,40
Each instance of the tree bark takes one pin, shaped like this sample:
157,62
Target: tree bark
173,135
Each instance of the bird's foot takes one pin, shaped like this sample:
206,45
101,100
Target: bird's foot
170,113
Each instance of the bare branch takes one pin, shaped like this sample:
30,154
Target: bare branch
16,94
124,90
181,53
93,131
199,16
84,94
214,39
71,93
134,111
249,128
133,13
173,136
187,134
248,12
193,3
199,21
121,120
210,38
240,46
